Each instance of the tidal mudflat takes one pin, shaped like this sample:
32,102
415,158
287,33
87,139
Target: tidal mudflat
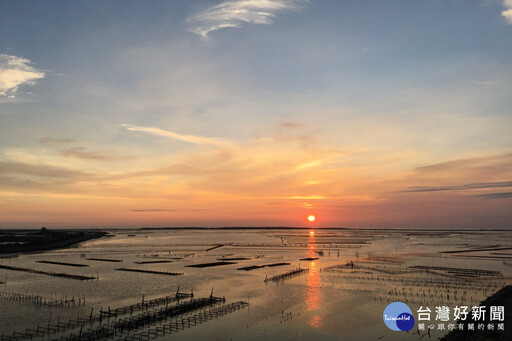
299,284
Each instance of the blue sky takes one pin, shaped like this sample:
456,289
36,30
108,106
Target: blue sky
224,112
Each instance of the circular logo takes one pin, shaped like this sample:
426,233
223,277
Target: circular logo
398,316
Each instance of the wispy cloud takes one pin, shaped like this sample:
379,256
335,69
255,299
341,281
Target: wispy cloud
479,185
81,153
290,125
288,132
14,72
507,13
484,82
501,161
235,13
39,170
153,210
504,195
167,210
276,203
212,141
50,140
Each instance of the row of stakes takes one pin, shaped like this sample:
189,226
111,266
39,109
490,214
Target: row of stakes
102,315
50,301
144,319
286,275
425,282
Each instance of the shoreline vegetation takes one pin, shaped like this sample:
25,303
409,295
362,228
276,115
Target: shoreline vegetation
25,241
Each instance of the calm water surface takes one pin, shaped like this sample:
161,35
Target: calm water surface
329,302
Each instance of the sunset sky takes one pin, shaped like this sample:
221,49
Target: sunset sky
373,113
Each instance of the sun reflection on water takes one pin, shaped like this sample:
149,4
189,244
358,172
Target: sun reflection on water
313,285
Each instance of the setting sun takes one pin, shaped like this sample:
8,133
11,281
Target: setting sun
311,218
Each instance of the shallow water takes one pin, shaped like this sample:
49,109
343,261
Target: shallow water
325,304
